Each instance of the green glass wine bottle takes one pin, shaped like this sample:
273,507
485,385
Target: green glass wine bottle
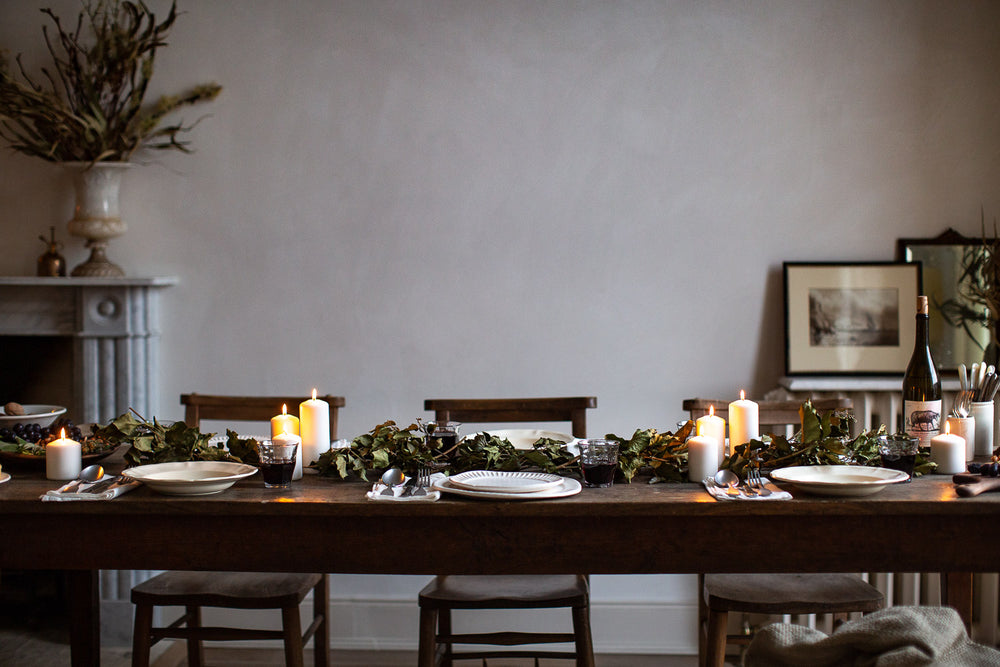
921,384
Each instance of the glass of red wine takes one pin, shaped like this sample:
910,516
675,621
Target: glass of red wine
441,436
277,463
898,452
599,462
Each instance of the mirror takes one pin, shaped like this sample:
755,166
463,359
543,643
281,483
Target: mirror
941,257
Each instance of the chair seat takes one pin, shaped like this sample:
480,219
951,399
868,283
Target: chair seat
791,593
505,591
233,590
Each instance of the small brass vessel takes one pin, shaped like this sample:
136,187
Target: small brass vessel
51,263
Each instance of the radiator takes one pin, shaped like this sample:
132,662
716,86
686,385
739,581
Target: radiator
879,401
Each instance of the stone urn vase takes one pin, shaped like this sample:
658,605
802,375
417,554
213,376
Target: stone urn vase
96,217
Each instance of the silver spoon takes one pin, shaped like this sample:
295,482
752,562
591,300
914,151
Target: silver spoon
88,475
391,478
727,479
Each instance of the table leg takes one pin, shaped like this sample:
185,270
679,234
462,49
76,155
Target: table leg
85,617
956,592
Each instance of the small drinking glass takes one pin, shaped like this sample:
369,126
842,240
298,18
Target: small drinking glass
277,463
441,435
898,452
599,462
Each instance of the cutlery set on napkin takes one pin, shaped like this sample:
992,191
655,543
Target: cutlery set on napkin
104,489
407,491
742,492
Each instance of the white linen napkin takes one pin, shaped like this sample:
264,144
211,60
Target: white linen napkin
116,489
379,487
720,494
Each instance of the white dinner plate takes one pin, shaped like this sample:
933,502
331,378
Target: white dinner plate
500,481
524,438
568,487
4,477
839,480
190,478
43,415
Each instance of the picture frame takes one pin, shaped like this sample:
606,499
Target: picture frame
850,318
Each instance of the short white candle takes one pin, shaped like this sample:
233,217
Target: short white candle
713,426
284,423
965,427
314,427
703,457
948,452
743,422
63,458
287,438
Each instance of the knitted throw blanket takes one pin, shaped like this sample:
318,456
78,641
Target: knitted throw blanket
892,637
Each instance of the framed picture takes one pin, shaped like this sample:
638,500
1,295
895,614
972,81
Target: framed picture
850,319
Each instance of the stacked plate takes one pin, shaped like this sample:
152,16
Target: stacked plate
501,485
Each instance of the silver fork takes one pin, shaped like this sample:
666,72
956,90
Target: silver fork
423,481
755,481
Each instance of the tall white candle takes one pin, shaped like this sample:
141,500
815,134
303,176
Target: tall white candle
284,423
703,457
743,422
948,452
63,458
287,438
314,427
713,426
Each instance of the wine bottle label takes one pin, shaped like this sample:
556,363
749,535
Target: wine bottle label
922,420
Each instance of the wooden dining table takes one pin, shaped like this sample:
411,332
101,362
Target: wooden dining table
327,525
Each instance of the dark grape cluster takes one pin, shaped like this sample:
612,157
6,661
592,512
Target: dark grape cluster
36,433
991,469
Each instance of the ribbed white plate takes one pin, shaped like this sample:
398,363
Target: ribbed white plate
190,478
568,487
839,480
499,481
4,477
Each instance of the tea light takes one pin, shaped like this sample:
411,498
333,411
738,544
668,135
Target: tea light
703,457
314,427
743,422
948,452
713,426
284,423
965,427
286,438
63,458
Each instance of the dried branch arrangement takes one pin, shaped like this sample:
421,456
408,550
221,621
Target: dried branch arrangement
88,106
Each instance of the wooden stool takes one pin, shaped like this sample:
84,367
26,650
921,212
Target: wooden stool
445,593
230,590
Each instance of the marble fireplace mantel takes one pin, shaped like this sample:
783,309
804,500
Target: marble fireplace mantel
113,325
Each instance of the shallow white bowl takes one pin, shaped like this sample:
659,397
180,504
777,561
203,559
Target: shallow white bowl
839,480
190,478
34,413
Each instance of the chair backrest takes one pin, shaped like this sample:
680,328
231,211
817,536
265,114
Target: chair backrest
249,408
499,410
770,413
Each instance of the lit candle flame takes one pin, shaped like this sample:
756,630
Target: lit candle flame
711,411
284,409
742,395
62,434
947,428
314,394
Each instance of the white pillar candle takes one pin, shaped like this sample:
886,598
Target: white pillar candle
287,438
713,426
284,423
314,427
948,452
703,457
63,458
743,422
965,427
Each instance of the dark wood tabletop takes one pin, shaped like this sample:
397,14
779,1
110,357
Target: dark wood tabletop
327,525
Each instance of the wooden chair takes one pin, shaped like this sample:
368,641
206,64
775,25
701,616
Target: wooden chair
235,590
446,593
720,594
